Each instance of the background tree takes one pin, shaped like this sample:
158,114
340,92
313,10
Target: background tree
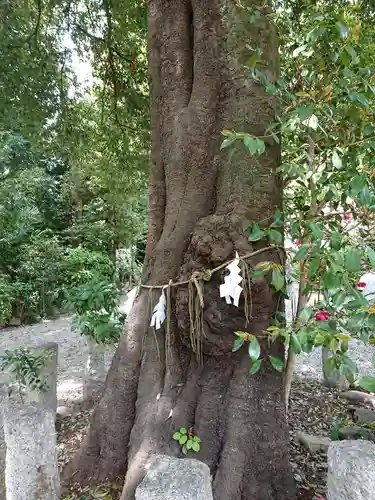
198,199
72,174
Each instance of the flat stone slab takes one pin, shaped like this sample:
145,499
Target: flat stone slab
356,432
364,416
312,443
359,397
170,478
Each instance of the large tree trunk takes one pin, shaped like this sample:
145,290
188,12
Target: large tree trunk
198,199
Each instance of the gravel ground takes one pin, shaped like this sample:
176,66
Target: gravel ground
71,354
310,365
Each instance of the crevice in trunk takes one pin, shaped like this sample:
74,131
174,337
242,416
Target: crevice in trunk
192,34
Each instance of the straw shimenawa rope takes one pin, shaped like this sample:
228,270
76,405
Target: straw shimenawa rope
196,300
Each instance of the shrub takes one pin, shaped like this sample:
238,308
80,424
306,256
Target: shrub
80,265
38,276
94,304
7,294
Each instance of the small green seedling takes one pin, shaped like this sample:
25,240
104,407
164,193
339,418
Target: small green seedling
187,440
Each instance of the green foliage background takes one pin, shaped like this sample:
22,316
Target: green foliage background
73,157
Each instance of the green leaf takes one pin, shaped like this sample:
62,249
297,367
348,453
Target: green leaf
306,314
353,260
359,98
367,383
344,346
228,141
294,342
183,439
334,345
369,129
275,236
254,145
278,219
317,230
277,279
304,112
271,88
364,198
339,299
258,273
302,252
335,432
329,365
176,436
357,184
320,338
255,366
373,359
253,61
242,335
335,240
189,444
277,363
183,430
256,233
350,50
196,446
349,364
336,160
342,29
371,255
238,343
254,349
313,266
197,439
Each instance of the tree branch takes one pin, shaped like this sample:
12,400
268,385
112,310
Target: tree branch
35,31
99,39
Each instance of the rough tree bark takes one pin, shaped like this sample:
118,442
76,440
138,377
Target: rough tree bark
198,199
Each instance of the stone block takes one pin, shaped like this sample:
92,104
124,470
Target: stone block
28,459
312,443
170,478
364,416
351,470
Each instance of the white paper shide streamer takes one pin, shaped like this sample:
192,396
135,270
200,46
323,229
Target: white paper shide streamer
231,289
158,314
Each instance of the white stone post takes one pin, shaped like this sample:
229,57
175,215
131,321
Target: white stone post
95,370
48,398
28,416
31,469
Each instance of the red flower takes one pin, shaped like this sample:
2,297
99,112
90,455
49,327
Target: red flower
361,284
321,316
310,247
348,216
298,243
